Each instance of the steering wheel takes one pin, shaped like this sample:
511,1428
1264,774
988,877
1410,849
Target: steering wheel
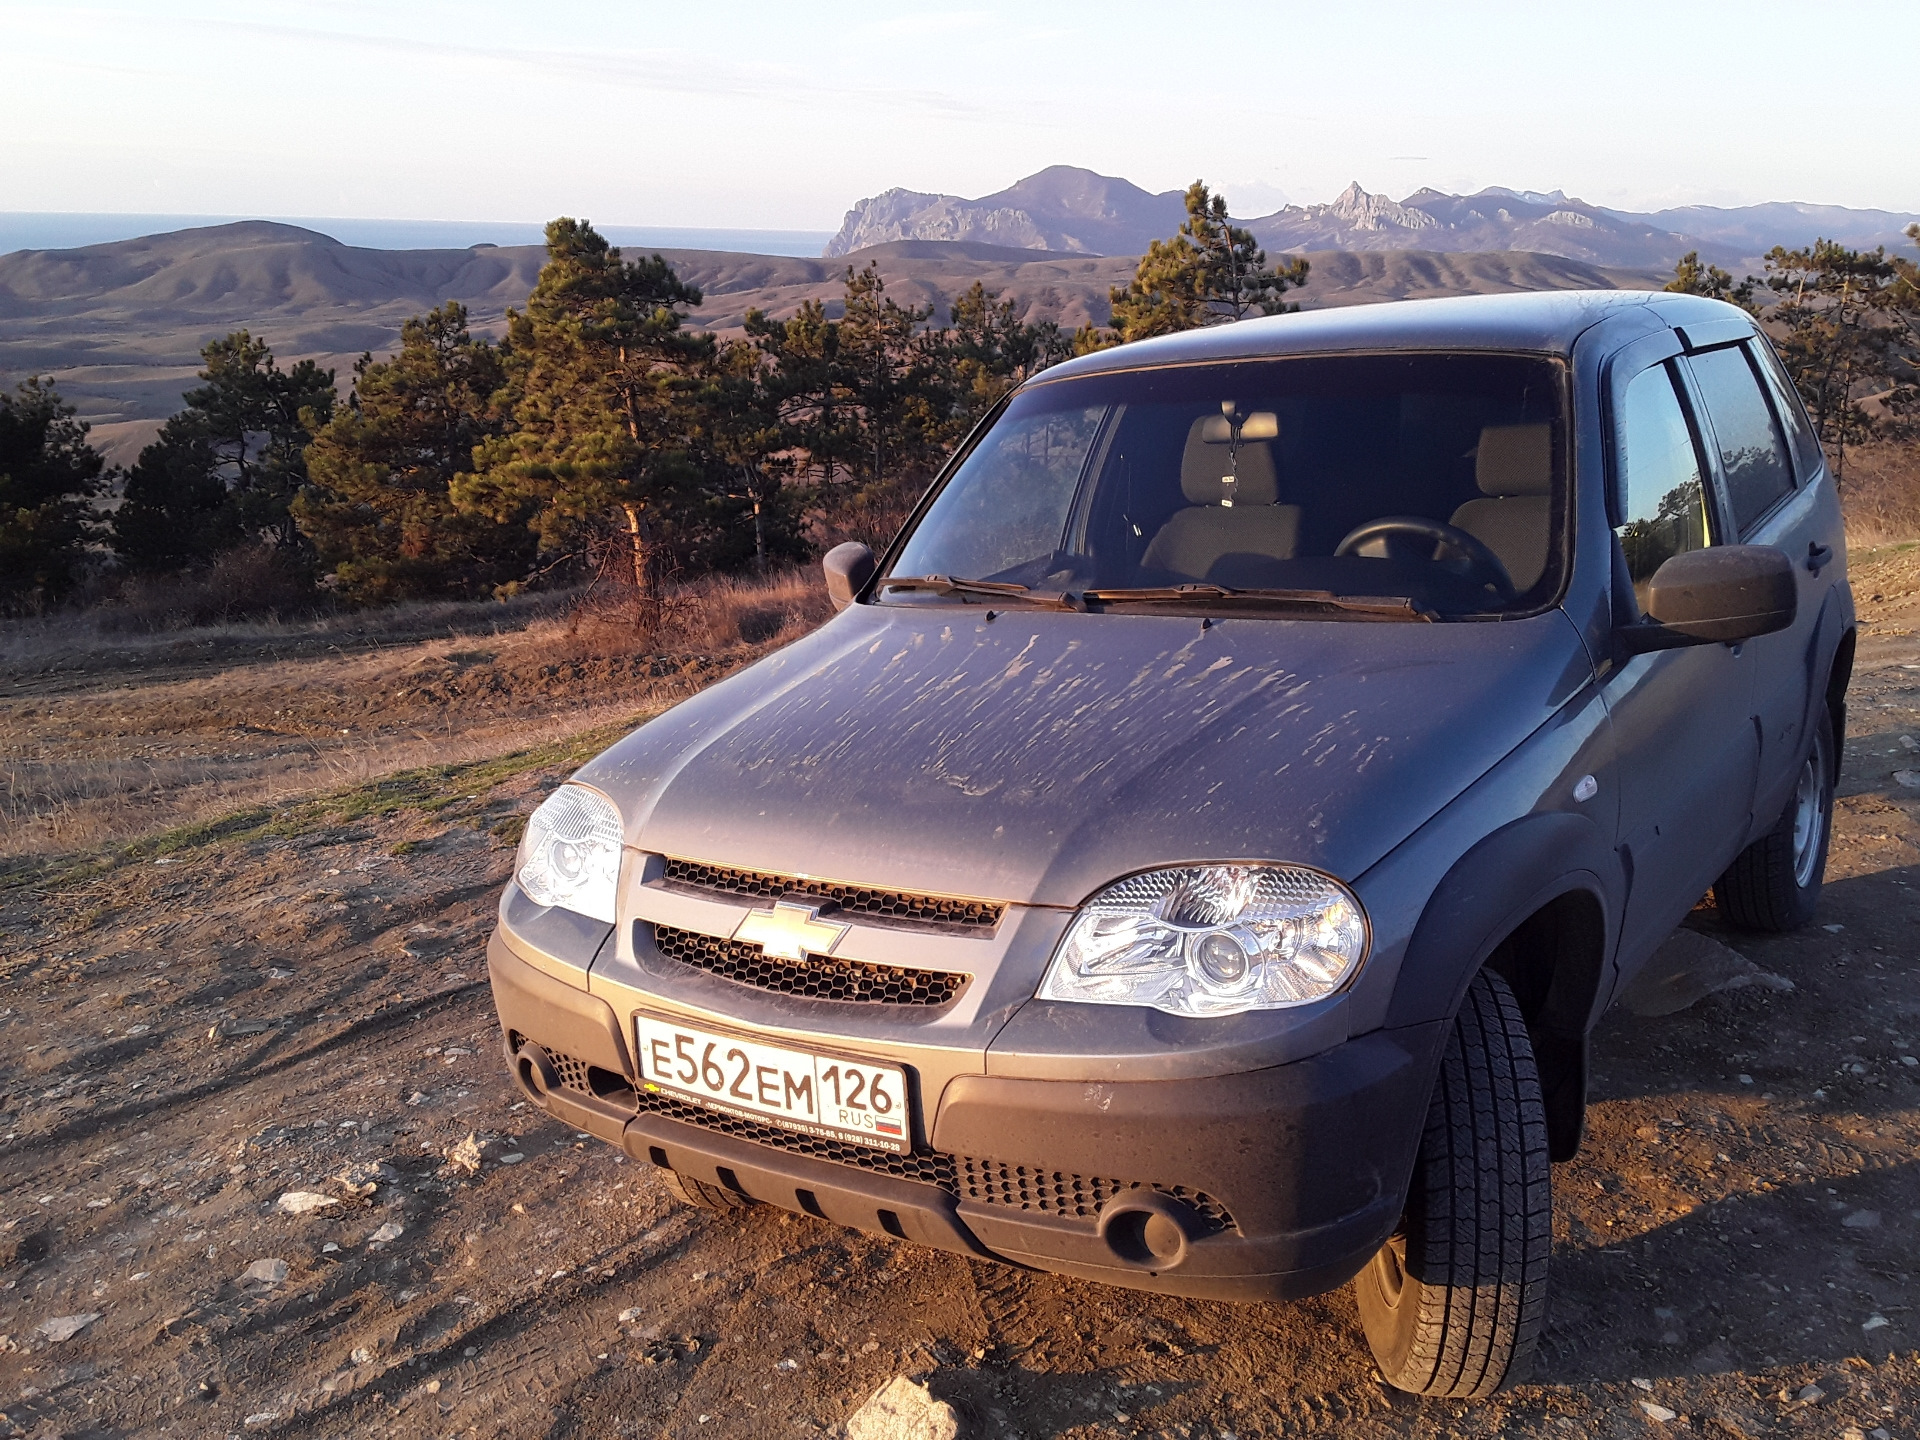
1414,537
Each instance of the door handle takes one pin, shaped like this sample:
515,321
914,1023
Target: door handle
1817,556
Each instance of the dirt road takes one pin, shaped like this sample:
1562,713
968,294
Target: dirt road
296,1004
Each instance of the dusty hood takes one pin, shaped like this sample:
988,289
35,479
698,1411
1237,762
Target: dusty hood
1037,756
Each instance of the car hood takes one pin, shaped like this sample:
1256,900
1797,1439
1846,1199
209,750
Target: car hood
1037,756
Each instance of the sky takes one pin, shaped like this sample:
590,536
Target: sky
725,113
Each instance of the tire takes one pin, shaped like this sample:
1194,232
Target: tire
1454,1302
1774,884
701,1195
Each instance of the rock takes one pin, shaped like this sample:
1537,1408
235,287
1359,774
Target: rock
1658,1412
631,1314
1874,1322
301,1202
1862,1220
263,1272
1810,1395
512,1159
465,1157
261,1417
387,1233
903,1410
230,1029
67,1326
1907,779
362,1355
1687,968
364,1178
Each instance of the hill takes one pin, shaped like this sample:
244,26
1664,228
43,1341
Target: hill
120,326
1069,209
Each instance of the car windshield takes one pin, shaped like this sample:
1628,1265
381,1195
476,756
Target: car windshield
1323,484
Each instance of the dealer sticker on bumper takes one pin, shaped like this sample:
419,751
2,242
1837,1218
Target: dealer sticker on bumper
823,1095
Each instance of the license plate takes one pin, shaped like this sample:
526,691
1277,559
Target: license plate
824,1095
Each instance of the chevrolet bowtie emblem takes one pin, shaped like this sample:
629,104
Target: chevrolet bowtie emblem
790,931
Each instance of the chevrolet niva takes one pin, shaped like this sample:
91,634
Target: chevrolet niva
1195,855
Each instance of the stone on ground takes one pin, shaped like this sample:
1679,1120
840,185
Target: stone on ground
903,1410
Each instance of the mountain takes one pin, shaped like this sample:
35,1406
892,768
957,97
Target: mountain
1490,220
119,326
1067,209
1756,229
1060,208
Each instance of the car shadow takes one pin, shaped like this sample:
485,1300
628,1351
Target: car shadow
1802,1274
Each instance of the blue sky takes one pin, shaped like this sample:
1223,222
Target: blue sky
781,115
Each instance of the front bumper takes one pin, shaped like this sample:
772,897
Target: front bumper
1268,1184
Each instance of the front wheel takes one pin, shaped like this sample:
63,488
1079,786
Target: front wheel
1774,884
701,1195
1453,1303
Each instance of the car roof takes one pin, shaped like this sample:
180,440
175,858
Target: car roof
1547,321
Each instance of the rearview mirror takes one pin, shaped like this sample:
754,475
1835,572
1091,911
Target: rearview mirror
1724,594
849,567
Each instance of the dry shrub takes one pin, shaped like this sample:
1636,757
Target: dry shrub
720,612
713,613
242,584
1880,492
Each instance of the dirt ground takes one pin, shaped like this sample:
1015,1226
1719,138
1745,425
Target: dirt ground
294,1001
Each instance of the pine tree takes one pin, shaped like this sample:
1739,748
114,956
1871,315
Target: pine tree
598,368
890,366
1838,333
380,509
1210,272
49,477
1690,277
988,350
226,468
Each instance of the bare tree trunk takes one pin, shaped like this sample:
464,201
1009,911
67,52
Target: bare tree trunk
637,543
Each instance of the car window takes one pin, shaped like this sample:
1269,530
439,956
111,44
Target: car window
1007,506
1434,478
1786,404
1753,452
1666,509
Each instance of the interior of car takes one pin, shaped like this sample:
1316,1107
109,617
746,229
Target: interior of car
1432,477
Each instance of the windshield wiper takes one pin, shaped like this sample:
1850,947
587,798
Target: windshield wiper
993,589
1385,607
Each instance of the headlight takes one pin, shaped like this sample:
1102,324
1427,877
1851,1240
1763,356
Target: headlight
570,855
1211,940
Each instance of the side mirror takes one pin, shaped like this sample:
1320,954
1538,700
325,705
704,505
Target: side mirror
1723,594
849,567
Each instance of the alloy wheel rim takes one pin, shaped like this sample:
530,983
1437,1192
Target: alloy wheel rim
1809,820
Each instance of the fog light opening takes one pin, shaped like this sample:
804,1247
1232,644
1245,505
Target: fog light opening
535,1071
1147,1229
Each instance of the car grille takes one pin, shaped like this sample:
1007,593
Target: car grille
1055,1192
927,1168
991,1182
818,977
854,899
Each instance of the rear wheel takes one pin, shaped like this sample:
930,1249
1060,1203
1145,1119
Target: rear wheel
1774,884
1453,1303
700,1194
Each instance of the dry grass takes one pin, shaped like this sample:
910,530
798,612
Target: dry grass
1881,493
105,737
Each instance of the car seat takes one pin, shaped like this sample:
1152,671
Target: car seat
1514,469
1230,505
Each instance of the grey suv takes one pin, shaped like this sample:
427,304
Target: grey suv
1196,854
